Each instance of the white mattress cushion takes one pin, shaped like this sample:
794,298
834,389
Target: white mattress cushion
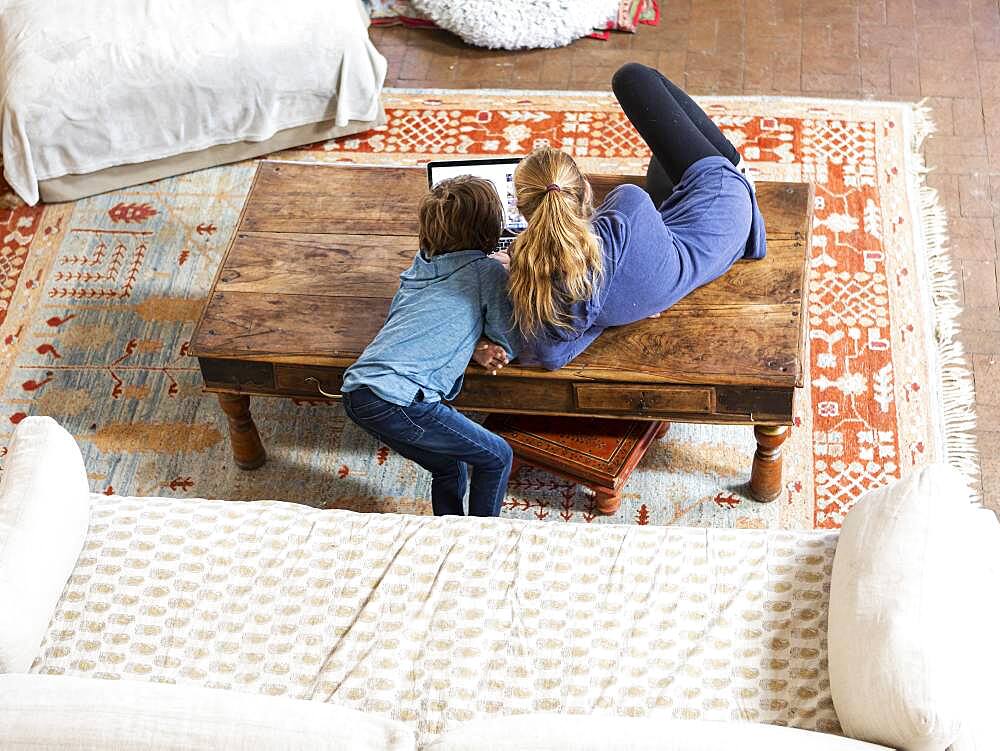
55,712
435,621
543,732
87,86
908,606
980,730
44,513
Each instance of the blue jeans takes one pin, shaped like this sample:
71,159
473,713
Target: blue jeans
441,440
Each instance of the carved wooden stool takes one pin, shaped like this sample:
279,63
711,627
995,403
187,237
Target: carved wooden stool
597,453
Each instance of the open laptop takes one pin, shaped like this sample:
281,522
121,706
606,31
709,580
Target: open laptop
500,172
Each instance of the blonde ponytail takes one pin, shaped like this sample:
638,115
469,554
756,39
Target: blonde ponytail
557,260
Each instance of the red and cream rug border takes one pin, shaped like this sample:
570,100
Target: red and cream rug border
951,384
887,389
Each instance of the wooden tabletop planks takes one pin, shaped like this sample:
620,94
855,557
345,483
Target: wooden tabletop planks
720,345
304,198
349,265
270,327
291,197
316,259
369,266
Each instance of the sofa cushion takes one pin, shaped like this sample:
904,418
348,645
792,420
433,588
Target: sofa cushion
44,513
545,732
61,712
907,602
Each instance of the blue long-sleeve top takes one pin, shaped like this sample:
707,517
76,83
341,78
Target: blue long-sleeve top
654,257
443,306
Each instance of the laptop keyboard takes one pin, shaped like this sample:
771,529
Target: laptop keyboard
503,244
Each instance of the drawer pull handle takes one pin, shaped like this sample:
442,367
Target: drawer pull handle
319,388
642,402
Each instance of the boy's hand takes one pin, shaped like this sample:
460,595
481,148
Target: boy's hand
491,356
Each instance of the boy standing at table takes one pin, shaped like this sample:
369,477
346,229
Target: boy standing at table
452,295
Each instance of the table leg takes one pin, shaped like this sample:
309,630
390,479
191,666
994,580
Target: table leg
662,430
248,451
608,501
765,477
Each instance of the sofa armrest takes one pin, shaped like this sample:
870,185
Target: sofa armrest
980,729
44,515
909,607
63,712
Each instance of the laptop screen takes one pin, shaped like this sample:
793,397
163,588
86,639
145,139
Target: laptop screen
500,172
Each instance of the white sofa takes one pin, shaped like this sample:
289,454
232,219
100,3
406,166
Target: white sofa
455,633
97,96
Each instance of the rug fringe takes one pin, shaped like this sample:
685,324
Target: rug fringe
956,385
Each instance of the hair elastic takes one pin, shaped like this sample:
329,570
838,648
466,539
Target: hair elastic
552,186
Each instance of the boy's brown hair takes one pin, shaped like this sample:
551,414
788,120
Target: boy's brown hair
462,213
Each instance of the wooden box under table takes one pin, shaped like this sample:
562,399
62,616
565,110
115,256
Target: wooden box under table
315,261
599,453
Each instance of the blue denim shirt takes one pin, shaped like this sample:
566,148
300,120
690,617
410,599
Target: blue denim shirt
443,306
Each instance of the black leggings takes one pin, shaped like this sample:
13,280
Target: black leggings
677,130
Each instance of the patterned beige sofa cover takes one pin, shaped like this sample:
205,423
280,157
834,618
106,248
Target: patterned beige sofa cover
434,622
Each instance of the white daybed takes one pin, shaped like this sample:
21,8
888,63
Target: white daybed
97,96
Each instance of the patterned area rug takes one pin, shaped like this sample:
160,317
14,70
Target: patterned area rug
99,299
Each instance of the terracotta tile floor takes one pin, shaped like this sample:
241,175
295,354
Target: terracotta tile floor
945,50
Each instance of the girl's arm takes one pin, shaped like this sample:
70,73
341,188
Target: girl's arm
553,354
498,314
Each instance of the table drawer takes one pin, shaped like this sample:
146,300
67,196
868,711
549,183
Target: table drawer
644,400
236,375
306,380
506,394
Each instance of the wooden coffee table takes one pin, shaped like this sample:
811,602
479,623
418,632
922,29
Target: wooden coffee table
315,260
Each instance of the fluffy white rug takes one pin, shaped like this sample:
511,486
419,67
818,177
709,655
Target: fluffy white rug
518,24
